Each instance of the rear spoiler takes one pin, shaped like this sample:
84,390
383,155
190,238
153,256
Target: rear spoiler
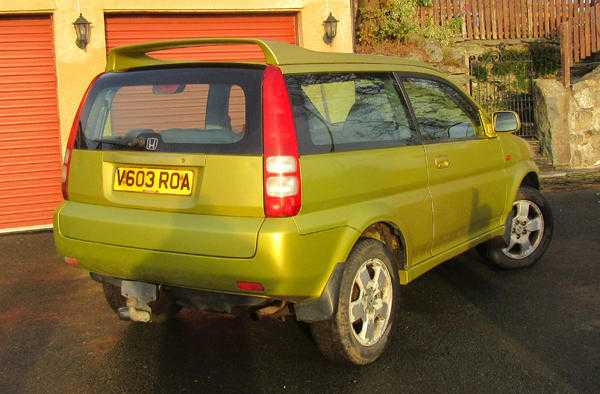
135,56
276,53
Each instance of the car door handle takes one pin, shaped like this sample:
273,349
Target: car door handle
441,162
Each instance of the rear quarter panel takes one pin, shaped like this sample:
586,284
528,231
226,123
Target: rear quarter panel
359,188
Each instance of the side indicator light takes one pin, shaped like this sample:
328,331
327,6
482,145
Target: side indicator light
250,286
508,157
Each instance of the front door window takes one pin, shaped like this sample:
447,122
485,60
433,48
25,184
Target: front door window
441,111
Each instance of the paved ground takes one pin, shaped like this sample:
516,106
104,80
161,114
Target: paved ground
464,327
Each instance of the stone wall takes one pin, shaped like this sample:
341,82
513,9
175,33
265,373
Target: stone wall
584,121
551,116
569,121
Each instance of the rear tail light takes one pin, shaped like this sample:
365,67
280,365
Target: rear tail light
65,171
66,166
282,182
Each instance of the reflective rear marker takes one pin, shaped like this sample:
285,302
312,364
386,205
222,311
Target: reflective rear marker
250,286
72,261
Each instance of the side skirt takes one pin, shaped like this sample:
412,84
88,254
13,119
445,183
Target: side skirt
412,273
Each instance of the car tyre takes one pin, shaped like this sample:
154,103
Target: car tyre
360,329
531,231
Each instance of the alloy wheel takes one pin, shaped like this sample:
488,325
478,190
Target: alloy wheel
370,302
527,230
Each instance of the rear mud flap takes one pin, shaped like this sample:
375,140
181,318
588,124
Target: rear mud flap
322,308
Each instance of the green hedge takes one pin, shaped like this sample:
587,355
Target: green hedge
398,20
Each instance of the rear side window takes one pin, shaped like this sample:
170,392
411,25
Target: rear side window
346,111
208,110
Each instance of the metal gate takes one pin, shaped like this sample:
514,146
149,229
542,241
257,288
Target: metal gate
499,83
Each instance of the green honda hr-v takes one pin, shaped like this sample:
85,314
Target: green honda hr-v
311,184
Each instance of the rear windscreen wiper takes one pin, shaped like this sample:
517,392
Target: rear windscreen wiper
133,143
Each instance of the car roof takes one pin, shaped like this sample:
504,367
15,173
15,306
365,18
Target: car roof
289,57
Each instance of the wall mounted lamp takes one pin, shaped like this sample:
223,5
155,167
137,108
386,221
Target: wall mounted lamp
82,29
330,25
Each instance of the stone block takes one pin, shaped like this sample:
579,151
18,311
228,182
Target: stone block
551,115
580,120
584,94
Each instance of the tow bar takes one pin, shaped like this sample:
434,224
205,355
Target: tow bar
138,295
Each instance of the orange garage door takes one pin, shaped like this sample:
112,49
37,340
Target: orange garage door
132,29
29,133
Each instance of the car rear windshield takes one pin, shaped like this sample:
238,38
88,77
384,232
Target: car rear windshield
200,109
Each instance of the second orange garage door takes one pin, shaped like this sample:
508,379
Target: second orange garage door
138,28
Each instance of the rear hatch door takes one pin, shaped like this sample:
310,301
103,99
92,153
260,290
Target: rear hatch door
170,159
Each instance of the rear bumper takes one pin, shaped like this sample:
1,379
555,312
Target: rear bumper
288,265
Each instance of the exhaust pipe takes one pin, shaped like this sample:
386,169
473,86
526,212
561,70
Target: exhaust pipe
138,295
277,309
131,312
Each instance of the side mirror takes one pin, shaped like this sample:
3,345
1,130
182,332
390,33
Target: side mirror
506,122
